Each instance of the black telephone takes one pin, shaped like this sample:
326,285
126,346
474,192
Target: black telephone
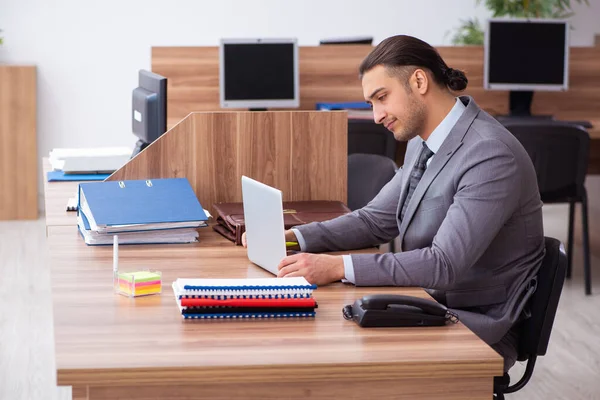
398,310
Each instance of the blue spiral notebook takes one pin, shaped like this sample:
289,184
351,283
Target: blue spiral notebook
290,314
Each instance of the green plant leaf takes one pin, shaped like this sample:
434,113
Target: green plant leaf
469,32
531,8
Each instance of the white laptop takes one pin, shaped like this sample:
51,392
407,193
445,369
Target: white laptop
265,232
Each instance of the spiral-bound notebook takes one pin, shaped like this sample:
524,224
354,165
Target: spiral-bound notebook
244,298
259,288
287,303
250,315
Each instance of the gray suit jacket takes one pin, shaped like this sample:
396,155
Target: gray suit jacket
472,234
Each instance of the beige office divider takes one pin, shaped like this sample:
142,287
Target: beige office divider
302,153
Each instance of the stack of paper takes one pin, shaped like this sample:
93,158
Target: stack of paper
140,211
89,160
244,298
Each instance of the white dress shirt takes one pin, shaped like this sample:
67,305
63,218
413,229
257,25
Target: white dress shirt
434,142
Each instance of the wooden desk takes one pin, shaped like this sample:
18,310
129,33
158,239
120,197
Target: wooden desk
110,346
56,195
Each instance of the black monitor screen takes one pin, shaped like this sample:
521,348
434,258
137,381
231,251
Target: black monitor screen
259,71
529,53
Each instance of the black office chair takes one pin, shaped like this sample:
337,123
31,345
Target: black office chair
367,174
560,152
367,137
535,331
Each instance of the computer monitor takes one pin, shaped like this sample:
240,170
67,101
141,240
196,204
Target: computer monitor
149,109
348,40
525,55
259,73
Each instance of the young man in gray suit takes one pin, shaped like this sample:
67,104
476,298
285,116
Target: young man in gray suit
465,204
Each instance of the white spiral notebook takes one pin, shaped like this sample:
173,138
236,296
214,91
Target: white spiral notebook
270,288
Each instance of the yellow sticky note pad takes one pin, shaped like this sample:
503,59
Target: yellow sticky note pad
138,283
140,276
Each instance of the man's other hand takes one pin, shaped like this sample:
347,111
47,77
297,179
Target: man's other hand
289,237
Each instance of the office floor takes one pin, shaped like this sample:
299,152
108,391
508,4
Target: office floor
570,370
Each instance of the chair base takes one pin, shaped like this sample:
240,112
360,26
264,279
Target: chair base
501,383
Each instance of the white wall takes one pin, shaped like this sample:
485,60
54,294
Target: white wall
88,53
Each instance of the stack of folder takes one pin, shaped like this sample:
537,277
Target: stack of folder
139,211
244,298
86,164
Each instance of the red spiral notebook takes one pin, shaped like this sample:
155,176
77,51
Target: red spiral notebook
293,303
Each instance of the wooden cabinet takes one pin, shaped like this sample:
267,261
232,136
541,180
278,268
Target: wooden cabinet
18,144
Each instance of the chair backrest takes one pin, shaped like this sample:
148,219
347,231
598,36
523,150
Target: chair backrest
559,152
365,136
367,174
535,332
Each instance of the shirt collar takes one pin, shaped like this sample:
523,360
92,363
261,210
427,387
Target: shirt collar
439,134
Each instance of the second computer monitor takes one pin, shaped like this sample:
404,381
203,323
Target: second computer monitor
259,73
149,109
525,55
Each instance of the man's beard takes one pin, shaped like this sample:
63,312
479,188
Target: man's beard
415,120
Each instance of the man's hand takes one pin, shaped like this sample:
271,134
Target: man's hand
318,269
289,237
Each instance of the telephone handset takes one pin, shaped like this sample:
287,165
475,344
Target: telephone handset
398,310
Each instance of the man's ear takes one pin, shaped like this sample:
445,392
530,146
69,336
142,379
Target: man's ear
420,81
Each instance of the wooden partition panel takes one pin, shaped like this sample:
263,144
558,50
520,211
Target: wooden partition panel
302,153
330,73
18,144
580,102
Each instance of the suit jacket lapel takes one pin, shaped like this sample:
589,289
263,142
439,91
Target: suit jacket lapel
448,148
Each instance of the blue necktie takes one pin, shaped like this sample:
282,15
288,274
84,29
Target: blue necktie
415,176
